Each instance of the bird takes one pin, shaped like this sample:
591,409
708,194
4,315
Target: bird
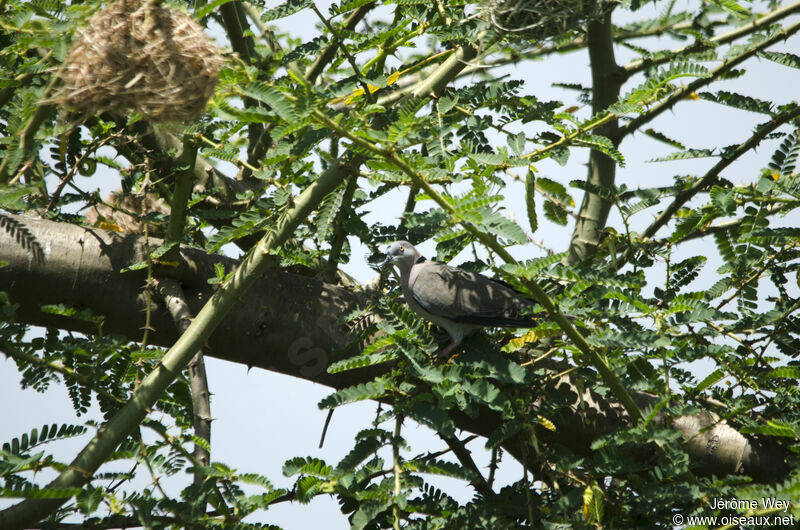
457,300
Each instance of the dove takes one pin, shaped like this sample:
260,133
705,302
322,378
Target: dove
457,300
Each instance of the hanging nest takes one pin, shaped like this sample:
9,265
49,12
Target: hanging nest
135,54
539,20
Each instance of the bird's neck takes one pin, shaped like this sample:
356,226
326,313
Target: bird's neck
405,268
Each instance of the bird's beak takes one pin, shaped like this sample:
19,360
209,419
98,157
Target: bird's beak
385,262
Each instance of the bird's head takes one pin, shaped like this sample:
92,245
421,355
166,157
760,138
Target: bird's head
401,253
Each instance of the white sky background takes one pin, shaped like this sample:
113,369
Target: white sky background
263,418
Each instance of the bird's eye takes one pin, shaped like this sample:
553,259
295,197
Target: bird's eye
401,248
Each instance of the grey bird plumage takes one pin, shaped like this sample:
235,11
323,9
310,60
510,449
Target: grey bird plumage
457,300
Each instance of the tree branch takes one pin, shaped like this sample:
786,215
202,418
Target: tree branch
759,23
683,196
303,336
681,93
181,191
606,84
464,456
113,432
234,20
172,295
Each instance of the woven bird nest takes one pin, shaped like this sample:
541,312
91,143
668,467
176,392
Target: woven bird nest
540,20
135,54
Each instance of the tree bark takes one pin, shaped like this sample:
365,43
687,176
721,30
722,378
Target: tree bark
289,324
606,83
171,294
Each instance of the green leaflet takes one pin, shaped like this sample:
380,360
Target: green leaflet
657,86
684,155
363,360
328,212
533,267
786,59
306,49
40,436
497,224
784,159
788,372
432,416
775,428
372,390
628,210
731,7
661,137
347,6
272,97
739,101
631,340
39,493
709,381
14,198
287,8
208,8
443,468
368,444
601,144
530,202
306,466
503,433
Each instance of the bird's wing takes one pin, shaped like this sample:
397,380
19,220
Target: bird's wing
468,298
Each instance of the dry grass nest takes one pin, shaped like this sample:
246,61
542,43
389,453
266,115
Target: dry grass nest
540,20
135,54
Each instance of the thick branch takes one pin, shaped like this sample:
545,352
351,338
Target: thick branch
464,456
606,84
113,432
287,324
234,20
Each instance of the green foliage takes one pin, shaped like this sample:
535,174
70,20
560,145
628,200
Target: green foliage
739,101
39,436
284,10
786,59
433,134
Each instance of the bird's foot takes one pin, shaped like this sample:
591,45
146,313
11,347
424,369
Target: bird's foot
444,353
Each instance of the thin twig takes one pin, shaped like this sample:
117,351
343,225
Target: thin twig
681,93
685,195
91,149
338,40
397,468
698,46
465,458
68,373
